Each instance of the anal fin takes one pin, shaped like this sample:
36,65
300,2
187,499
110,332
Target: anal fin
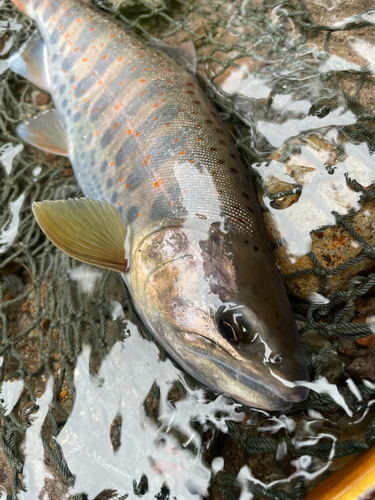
88,230
44,131
31,62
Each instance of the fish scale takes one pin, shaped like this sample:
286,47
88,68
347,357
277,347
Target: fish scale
168,201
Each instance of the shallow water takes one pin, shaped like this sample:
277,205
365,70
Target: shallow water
90,403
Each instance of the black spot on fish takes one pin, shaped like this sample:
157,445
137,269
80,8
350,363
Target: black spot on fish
103,166
62,89
114,197
77,117
256,248
132,214
106,139
109,183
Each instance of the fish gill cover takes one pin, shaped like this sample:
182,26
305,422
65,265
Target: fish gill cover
90,406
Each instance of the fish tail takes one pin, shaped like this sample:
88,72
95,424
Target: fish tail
25,6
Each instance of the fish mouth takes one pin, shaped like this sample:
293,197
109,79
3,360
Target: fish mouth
291,393
272,392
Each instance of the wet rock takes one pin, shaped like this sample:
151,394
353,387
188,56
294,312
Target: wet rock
349,348
5,474
42,98
364,367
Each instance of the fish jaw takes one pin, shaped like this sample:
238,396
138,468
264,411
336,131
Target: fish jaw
172,292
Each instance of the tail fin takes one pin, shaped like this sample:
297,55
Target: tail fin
24,6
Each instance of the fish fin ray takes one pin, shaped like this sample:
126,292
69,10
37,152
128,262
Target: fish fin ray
183,54
31,62
44,131
87,230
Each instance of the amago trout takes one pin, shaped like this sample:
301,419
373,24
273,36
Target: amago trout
168,201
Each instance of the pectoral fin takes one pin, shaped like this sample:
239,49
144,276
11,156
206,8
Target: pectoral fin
44,131
88,230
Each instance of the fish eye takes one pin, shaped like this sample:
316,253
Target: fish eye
235,326
276,358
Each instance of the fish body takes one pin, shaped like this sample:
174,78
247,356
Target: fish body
143,138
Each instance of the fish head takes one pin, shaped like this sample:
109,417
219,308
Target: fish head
225,318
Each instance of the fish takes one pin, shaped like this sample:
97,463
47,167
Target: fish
168,201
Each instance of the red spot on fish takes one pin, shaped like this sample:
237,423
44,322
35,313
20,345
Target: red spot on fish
182,110
60,26
121,179
79,20
146,160
88,112
143,93
212,148
102,45
69,14
130,131
115,126
181,153
118,106
133,69
96,109
96,133
147,69
120,59
191,161
156,105
169,81
85,59
137,134
122,83
54,19
84,99
76,49
141,57
220,162
112,162
62,3
119,203
163,100
195,102
176,140
170,70
91,18
77,78
169,202
190,84
197,126
122,40
100,82
158,183
139,214
126,185
92,29
74,87
199,139
213,173
155,119
184,191
94,73
112,36
70,43
142,80
67,35
105,57
76,106
167,124
189,92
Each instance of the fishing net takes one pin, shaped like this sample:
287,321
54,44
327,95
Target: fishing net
294,82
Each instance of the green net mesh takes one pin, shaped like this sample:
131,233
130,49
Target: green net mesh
298,52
